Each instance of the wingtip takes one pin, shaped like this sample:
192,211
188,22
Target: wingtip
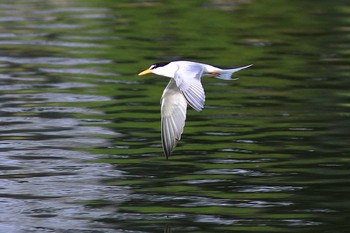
166,153
166,149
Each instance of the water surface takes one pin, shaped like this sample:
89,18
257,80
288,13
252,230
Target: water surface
80,145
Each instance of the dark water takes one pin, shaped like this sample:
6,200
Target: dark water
80,146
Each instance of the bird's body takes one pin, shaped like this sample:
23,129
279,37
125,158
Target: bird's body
184,88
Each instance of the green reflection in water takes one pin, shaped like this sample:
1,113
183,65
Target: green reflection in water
268,154
255,153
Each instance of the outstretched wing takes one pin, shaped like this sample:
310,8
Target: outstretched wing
173,116
188,80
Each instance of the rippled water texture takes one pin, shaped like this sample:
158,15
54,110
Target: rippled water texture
80,143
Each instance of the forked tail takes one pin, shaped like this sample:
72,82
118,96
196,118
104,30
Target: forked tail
226,74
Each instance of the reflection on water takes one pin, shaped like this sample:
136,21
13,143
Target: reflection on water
80,147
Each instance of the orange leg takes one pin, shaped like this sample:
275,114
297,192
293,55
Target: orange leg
215,73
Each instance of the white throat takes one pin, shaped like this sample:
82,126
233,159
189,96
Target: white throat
168,70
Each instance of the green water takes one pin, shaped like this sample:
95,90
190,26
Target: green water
80,131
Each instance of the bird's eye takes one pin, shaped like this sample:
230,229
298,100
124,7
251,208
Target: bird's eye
151,67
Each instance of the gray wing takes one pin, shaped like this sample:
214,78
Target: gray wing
173,116
188,79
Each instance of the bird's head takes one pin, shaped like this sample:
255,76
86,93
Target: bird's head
166,69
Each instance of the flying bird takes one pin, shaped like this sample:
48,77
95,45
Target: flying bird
184,88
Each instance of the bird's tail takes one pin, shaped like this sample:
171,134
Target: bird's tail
226,74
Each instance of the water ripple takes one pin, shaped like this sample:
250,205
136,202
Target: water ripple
51,43
52,97
54,60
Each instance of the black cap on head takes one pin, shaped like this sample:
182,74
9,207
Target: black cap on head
159,64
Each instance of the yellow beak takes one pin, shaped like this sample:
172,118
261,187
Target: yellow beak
148,71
